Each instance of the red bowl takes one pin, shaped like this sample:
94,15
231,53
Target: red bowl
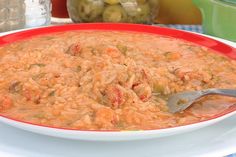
191,37
195,38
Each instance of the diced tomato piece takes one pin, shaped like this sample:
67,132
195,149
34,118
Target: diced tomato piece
32,95
172,56
74,49
113,52
180,73
134,85
5,103
143,91
115,96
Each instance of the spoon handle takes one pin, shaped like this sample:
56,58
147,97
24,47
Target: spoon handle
226,92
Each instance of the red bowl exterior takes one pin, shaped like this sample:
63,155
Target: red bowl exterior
183,35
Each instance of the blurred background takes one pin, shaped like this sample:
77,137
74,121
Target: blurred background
212,17
165,11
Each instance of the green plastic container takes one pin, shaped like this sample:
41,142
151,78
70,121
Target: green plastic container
219,17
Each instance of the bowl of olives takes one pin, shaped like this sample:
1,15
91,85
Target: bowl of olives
117,11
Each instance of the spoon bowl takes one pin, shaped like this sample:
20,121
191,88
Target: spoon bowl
181,101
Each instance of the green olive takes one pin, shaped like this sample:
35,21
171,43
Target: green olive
143,14
141,1
112,2
114,13
72,10
89,10
130,6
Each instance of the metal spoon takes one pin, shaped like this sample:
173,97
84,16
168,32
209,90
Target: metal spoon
180,101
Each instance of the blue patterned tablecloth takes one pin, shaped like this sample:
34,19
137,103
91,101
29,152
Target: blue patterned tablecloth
193,28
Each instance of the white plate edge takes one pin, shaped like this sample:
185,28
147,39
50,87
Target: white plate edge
216,153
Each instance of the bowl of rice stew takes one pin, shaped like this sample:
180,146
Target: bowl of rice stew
111,81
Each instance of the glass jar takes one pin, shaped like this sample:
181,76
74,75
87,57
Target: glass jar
37,12
11,14
16,14
125,11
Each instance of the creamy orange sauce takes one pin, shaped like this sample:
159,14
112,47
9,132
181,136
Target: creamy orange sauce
98,80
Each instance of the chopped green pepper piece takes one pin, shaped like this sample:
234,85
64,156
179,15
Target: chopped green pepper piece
40,116
15,87
78,68
182,102
158,88
36,77
122,48
52,93
37,64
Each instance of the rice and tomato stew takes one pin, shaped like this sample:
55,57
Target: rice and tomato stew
109,80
